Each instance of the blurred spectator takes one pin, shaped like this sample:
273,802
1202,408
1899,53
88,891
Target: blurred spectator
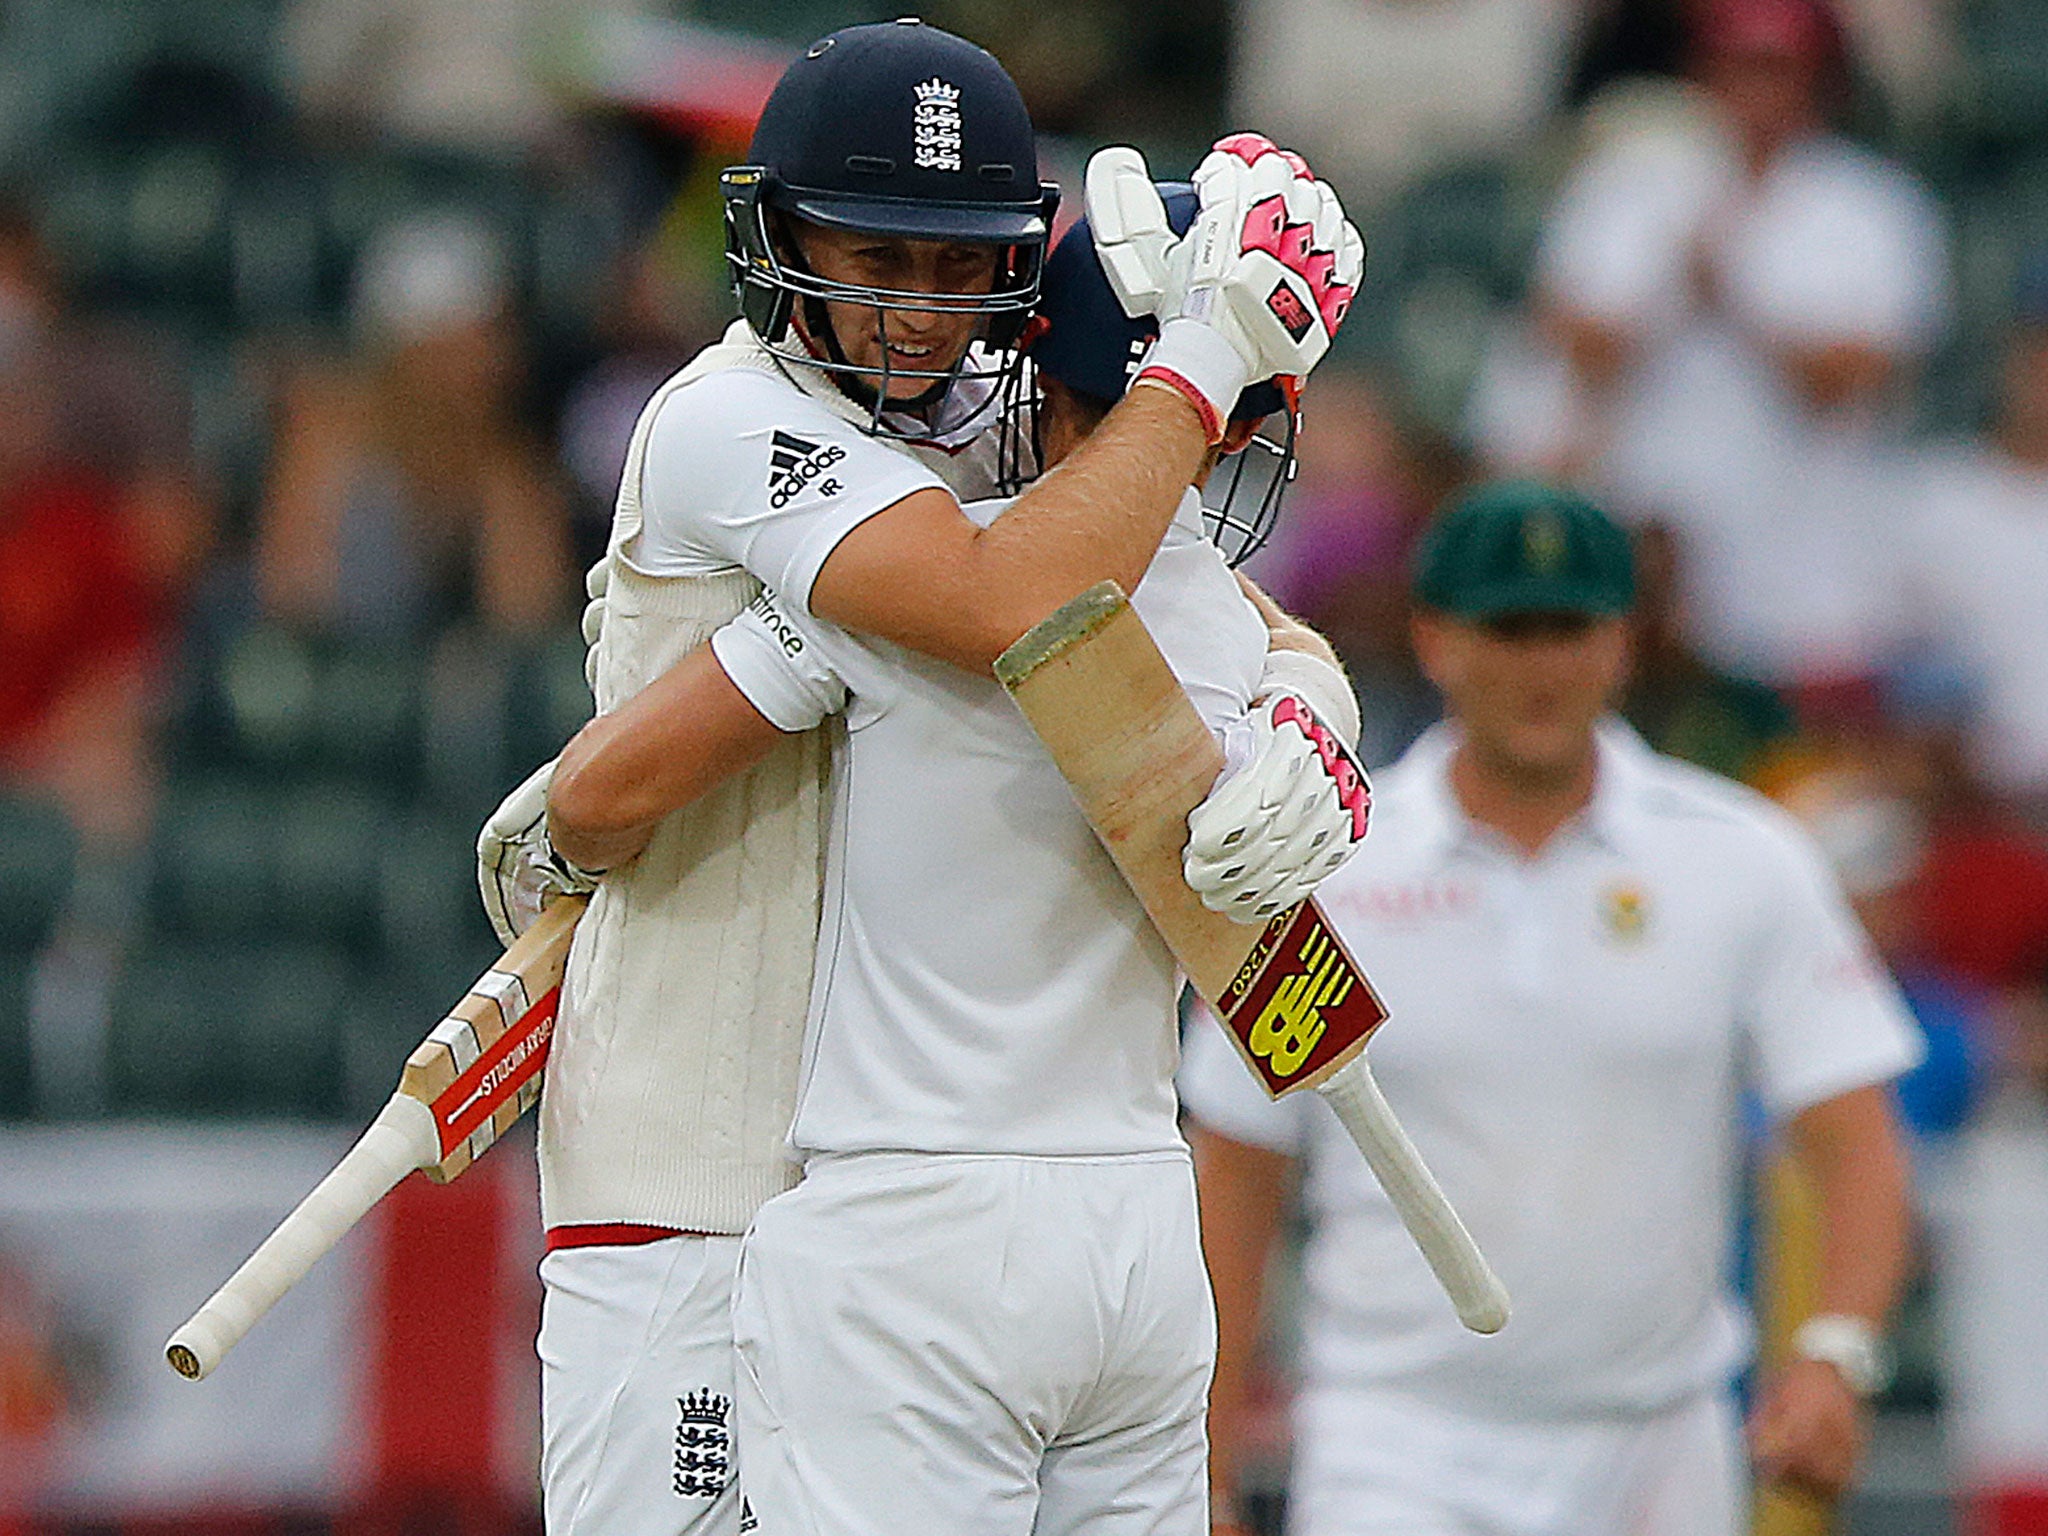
405,491
102,526
1728,299
1339,553
1875,835
1376,92
463,75
1907,46
658,312
1681,705
1980,555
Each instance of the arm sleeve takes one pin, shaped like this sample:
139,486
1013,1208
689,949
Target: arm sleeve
780,666
1824,1016
743,469
1219,1091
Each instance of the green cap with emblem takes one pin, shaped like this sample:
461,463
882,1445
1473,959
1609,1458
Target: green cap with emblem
1523,546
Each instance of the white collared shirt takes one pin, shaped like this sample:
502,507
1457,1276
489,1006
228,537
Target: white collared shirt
1568,1040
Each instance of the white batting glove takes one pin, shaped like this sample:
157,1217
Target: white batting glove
518,871
596,582
1255,289
1275,829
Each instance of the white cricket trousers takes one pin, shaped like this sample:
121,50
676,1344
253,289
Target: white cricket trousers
976,1346
636,1389
1378,1463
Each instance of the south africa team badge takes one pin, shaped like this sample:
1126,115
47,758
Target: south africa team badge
1624,913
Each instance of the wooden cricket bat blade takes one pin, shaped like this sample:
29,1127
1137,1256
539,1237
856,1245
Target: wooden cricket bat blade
463,1086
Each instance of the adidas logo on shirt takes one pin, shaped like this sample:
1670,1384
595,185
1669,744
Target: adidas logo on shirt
794,463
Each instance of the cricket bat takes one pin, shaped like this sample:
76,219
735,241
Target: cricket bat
1093,685
463,1086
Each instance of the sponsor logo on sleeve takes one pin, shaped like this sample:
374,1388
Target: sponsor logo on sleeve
796,465
763,608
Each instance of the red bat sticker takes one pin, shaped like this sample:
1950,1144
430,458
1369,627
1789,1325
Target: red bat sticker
498,1074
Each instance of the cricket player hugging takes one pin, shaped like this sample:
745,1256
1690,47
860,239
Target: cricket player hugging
985,1310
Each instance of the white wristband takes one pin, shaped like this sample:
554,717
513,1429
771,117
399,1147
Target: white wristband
1851,1345
1324,688
1204,363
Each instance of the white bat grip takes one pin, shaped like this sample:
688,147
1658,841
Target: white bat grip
400,1139
1462,1270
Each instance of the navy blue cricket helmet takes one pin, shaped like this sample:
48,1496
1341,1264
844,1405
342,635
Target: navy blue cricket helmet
1083,338
896,129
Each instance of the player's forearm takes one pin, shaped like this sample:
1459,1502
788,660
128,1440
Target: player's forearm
672,742
1242,1191
1101,514
1850,1151
923,576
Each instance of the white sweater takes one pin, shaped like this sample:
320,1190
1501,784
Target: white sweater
673,1073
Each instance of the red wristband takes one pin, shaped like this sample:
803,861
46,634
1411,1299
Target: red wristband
1212,424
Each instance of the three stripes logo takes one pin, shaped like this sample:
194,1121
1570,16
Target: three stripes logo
793,464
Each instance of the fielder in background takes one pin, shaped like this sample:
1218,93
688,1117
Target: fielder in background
1588,951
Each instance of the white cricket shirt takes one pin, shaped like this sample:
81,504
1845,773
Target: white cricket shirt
745,469
985,980
1568,1039
675,1063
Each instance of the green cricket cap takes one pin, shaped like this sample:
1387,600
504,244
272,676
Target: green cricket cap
1523,546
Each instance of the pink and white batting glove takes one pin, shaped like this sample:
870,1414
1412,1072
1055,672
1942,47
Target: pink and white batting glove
1256,288
1284,820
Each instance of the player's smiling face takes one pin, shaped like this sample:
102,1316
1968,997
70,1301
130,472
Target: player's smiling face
922,341
1527,688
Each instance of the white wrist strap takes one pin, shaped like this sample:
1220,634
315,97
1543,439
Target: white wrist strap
1199,359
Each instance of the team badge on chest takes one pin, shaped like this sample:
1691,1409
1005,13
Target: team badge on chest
935,126
1624,912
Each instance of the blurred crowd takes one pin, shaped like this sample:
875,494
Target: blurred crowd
323,324
1761,276
1730,295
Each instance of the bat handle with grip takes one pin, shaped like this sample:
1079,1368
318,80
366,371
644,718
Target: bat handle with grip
400,1139
1481,1300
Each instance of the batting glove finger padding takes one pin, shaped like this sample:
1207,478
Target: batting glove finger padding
1128,221
518,871
596,583
1255,289
1270,833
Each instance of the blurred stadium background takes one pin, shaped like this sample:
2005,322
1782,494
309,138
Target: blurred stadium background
322,326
